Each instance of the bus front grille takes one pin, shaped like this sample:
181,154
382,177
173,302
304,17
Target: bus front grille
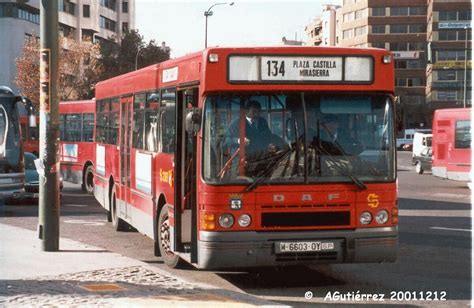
306,219
312,256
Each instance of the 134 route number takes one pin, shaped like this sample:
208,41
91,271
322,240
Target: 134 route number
275,68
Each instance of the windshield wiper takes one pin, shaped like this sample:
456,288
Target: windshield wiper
275,163
342,169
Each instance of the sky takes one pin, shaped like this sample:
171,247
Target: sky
181,24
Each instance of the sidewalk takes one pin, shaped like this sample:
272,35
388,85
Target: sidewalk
82,275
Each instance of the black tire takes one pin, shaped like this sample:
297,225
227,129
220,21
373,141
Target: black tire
418,168
164,243
117,222
88,180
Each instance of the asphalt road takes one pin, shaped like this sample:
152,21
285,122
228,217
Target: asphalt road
434,249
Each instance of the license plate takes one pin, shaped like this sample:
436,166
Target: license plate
284,247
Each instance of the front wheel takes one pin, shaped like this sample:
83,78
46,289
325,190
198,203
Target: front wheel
117,222
418,168
88,180
164,242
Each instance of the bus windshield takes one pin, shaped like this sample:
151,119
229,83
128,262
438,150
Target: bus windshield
306,137
9,137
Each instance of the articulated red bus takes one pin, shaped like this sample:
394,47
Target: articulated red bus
179,156
77,120
452,144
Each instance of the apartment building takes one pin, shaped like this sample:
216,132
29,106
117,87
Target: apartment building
81,19
322,29
449,41
399,26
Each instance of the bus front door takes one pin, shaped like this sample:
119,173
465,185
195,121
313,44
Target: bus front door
185,236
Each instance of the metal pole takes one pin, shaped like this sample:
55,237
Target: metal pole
205,35
49,127
136,57
465,71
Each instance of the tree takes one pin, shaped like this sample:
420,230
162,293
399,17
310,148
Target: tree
117,59
79,70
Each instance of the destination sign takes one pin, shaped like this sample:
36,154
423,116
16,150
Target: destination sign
294,69
301,68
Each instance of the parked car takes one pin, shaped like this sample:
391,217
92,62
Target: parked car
32,177
407,147
423,161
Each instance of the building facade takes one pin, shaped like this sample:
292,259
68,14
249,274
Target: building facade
399,26
322,30
449,59
81,19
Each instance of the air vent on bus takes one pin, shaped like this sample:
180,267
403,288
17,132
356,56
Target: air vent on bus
306,219
313,256
304,206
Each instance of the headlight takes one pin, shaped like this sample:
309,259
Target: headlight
244,220
381,217
365,218
226,220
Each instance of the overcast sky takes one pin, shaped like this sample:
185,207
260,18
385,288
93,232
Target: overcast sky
181,24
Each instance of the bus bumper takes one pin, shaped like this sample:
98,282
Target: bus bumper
218,250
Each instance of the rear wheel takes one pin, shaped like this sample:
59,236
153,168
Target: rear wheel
88,180
117,222
418,168
164,241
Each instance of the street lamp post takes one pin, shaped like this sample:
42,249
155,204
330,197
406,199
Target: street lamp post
465,69
136,57
209,13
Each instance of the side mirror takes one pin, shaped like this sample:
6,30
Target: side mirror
193,120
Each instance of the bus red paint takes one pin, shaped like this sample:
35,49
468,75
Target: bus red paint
176,160
77,120
452,144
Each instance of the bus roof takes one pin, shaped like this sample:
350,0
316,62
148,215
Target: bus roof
196,68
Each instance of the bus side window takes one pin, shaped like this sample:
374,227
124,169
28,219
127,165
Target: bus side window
138,121
151,121
168,132
87,127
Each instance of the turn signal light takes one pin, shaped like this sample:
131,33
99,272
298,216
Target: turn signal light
395,215
208,221
386,59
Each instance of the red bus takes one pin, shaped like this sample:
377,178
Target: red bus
30,135
77,120
452,144
175,157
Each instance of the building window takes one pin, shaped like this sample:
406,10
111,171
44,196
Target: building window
378,45
347,34
106,23
124,7
400,82
448,15
447,35
416,64
348,17
399,11
108,4
360,13
378,11
67,7
400,64
378,29
417,10
360,31
398,28
465,15
417,28
66,31
124,26
416,82
86,11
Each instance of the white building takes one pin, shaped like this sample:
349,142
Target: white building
322,30
81,19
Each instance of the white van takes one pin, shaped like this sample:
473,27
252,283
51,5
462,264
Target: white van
421,141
